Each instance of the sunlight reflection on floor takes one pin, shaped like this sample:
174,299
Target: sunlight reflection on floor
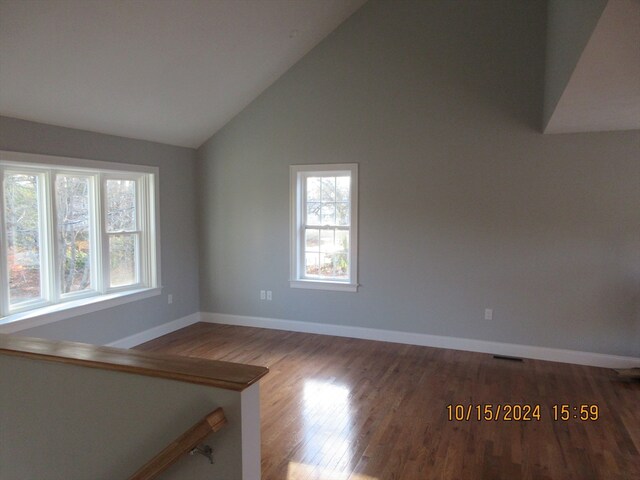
300,471
327,424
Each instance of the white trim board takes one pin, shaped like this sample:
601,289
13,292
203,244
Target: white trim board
466,344
62,311
250,428
155,332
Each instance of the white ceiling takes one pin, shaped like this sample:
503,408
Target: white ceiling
171,71
603,92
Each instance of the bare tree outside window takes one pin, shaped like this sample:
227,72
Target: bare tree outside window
122,229
75,233
22,230
74,242
324,226
326,232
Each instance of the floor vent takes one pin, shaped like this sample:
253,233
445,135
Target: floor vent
504,357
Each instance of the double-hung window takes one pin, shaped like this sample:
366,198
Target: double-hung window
324,221
74,232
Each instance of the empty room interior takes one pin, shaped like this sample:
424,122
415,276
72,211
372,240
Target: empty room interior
319,239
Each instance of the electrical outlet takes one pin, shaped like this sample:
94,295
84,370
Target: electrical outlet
262,295
170,299
269,295
488,314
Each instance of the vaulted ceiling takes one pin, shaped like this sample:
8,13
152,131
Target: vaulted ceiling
163,70
177,71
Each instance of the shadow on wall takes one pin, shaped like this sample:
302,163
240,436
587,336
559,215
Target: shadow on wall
467,56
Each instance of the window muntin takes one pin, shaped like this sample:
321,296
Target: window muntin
323,226
56,242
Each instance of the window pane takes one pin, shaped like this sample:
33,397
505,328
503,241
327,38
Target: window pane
327,241
342,241
334,254
313,189
74,246
342,214
328,189
313,213
123,253
312,239
343,186
341,266
121,205
328,214
326,264
311,263
22,218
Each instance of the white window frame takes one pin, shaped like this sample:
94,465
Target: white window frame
297,178
55,305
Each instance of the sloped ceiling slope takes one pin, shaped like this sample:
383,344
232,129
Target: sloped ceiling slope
162,70
603,91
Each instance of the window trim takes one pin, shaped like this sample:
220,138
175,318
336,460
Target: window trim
51,313
149,223
297,201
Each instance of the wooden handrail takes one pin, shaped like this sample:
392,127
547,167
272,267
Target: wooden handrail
213,373
181,445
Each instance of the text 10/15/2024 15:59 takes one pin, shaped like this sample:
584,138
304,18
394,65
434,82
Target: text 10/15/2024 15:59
494,412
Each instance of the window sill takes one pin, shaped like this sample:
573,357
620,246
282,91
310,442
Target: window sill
54,313
322,285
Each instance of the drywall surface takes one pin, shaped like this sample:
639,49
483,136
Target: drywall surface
570,24
464,204
179,254
66,422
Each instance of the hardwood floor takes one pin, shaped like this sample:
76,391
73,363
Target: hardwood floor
345,409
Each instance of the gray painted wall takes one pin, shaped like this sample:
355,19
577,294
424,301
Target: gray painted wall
570,24
464,204
177,226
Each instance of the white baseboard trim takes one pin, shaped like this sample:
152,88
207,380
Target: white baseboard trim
467,344
155,332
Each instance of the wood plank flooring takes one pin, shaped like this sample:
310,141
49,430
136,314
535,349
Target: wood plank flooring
345,409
